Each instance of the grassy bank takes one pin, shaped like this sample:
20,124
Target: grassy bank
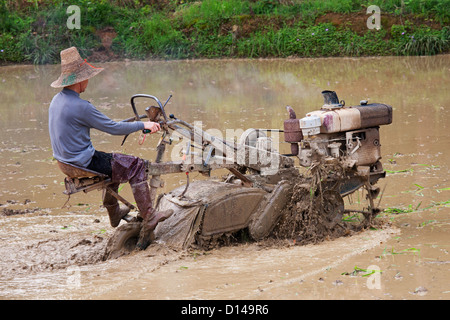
36,31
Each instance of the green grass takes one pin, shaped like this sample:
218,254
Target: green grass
35,31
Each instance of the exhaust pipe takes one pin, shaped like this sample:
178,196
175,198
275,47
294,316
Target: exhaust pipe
292,131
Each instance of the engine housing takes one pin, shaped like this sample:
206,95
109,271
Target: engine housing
340,132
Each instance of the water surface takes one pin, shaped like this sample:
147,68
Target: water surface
222,94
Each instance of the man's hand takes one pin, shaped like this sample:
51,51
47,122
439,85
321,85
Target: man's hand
152,126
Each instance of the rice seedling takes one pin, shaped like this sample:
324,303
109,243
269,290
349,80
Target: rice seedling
392,252
399,171
362,272
395,210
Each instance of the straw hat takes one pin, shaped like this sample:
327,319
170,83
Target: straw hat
74,69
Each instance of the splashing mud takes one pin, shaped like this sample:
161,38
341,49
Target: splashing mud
52,254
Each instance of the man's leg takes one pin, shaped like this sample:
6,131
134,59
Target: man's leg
115,211
126,168
101,162
133,169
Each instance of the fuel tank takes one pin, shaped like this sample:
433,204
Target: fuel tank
353,117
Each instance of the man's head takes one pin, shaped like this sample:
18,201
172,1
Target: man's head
75,71
79,87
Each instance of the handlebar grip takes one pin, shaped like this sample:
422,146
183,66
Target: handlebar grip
146,131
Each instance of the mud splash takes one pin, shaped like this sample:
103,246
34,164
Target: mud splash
51,254
304,220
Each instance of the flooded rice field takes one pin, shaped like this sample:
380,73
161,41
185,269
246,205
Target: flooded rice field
50,249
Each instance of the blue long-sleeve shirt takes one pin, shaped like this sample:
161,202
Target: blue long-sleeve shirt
70,121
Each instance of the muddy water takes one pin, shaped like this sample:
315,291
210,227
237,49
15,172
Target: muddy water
48,251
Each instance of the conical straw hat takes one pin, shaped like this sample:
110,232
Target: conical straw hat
74,69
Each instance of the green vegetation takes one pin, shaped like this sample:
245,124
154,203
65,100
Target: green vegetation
434,205
404,251
35,30
363,272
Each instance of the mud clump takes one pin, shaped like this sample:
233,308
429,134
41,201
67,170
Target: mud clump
305,221
13,212
51,254
301,220
315,212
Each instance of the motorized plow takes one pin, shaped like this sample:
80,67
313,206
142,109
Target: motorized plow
338,146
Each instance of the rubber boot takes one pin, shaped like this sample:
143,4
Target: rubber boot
115,211
150,216
126,168
147,235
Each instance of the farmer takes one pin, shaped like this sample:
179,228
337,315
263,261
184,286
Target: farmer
70,121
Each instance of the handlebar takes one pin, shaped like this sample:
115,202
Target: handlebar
140,95
211,145
186,129
138,117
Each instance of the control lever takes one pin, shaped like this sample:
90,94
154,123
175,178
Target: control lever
138,117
